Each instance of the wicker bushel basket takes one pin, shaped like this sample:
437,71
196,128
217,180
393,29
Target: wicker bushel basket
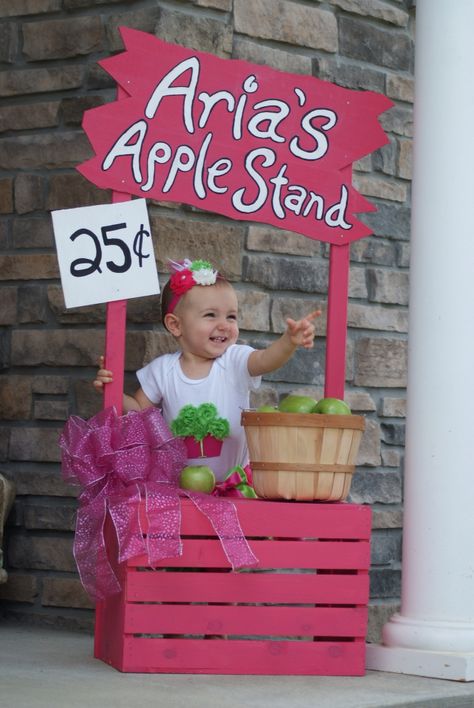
302,456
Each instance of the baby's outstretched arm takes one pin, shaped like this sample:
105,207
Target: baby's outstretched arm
137,402
299,333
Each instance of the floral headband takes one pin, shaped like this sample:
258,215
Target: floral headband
188,274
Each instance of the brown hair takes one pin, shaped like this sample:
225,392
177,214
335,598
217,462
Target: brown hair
166,297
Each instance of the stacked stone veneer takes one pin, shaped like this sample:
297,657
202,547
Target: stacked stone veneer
48,52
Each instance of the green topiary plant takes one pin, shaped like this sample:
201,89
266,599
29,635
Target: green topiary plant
197,422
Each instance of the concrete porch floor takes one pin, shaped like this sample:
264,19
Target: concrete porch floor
52,668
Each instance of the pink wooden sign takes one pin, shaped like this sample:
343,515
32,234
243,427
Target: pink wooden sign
241,140
235,138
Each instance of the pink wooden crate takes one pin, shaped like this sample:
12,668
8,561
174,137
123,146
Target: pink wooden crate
302,610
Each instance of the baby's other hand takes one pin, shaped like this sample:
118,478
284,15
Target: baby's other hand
103,376
302,331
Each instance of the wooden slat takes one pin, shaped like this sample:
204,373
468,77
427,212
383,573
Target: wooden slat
259,517
328,555
246,620
300,467
244,657
155,586
302,420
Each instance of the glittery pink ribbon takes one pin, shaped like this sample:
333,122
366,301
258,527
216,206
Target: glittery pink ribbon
120,462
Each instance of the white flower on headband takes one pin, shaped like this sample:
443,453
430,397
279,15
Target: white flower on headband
205,276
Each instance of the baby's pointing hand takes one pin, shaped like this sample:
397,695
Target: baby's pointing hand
302,331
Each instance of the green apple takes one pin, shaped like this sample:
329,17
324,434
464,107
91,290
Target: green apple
267,409
332,406
198,478
297,404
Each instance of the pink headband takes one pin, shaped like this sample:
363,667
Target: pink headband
186,275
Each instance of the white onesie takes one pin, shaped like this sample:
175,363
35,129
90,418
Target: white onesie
227,385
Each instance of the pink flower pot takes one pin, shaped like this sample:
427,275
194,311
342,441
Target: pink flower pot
208,447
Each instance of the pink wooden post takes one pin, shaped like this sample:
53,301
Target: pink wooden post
337,321
115,352
115,340
115,327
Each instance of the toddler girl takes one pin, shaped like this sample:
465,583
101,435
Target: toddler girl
199,308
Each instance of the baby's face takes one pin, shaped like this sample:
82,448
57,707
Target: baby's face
208,318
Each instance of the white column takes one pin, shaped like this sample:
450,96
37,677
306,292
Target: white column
433,635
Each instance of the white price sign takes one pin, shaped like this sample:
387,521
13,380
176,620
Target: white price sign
105,253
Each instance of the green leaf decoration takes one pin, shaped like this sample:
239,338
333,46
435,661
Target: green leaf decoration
199,265
184,424
200,421
219,428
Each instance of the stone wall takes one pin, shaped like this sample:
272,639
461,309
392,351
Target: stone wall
49,51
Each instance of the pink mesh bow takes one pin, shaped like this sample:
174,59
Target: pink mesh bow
121,461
